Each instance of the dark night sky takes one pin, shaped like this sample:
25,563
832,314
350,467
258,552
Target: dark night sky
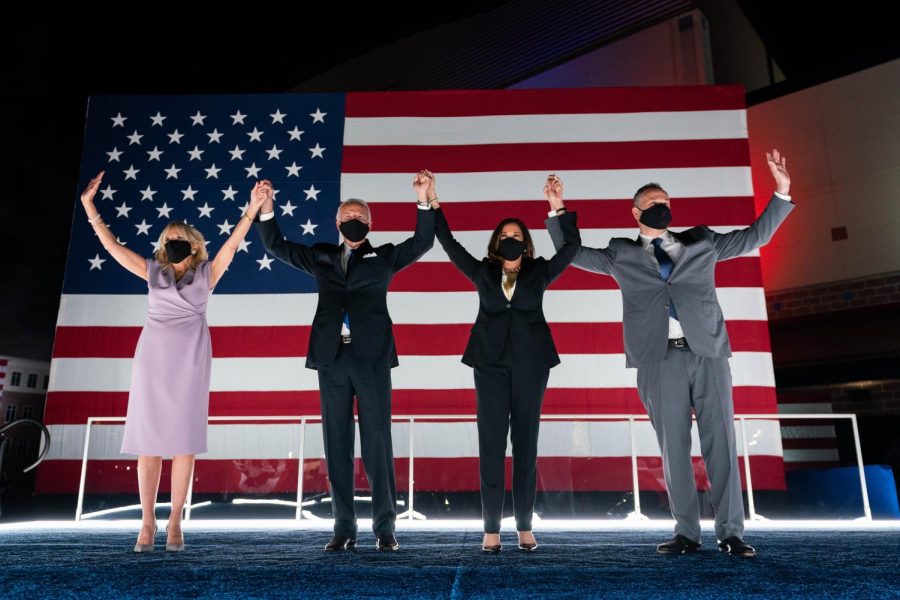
50,70
56,67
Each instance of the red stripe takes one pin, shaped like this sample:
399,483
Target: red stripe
279,476
567,156
412,340
460,103
74,408
444,277
726,211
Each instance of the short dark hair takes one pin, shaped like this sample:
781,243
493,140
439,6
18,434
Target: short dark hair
494,243
646,188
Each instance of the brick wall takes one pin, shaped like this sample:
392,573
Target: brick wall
877,290
868,398
865,398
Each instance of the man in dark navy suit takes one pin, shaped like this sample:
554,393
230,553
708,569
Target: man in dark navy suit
351,345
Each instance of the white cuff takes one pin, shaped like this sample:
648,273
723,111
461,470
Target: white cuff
423,206
783,196
266,216
552,213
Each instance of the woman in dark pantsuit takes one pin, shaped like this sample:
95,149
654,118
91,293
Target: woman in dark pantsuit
512,351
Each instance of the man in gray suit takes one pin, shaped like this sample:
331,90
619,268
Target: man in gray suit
675,336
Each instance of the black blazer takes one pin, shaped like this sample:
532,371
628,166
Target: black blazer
363,294
521,319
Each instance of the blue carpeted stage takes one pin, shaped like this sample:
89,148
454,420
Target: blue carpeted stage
248,559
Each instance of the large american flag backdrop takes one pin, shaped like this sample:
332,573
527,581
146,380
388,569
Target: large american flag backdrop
195,158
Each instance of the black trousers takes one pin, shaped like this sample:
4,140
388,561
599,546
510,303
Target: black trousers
370,383
509,399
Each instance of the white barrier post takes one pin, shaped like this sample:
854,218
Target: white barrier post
862,472
634,468
750,504
301,456
84,459
412,422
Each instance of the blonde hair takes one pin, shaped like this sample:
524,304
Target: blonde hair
190,234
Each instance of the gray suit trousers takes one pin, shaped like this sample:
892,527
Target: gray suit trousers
669,390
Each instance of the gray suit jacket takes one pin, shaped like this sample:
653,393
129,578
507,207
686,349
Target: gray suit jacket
646,297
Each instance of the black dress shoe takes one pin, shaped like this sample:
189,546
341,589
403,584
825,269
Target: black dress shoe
678,545
341,542
735,546
386,542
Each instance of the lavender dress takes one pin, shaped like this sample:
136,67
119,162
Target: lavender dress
169,400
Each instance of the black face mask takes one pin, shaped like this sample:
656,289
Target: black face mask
354,230
657,216
511,248
178,250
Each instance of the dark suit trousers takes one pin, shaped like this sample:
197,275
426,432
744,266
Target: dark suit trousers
339,382
509,399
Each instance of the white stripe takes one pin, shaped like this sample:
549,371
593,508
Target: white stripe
614,184
812,455
476,241
432,440
563,306
802,432
415,372
804,407
544,128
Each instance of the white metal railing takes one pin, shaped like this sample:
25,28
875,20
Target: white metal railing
411,419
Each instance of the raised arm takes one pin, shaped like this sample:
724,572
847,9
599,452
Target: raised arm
598,260
411,249
299,256
129,259
261,191
459,256
571,239
741,241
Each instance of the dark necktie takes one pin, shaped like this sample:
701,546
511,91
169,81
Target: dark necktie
347,272
665,268
350,259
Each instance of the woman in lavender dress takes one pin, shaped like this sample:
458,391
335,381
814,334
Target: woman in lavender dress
168,403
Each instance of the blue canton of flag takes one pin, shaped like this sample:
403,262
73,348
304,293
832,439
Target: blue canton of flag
195,159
